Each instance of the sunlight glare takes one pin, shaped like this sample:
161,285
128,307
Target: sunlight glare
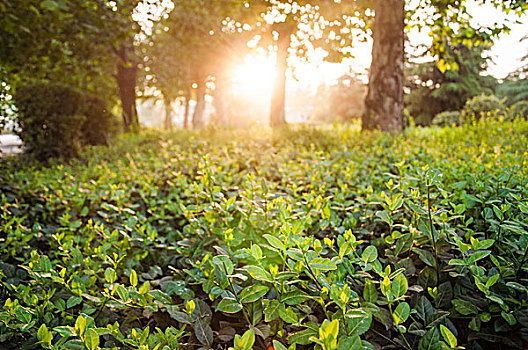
254,78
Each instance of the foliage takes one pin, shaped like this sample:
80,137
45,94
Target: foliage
483,105
49,120
433,91
447,118
520,109
99,122
311,238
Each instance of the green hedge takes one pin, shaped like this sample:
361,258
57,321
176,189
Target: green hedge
56,120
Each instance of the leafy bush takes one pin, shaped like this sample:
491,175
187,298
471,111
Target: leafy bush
484,105
99,123
317,238
447,118
520,109
50,125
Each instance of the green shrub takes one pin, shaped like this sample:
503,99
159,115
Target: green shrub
520,109
326,238
56,121
484,105
50,125
447,118
99,123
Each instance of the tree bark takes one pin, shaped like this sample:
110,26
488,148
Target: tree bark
199,109
384,100
278,98
167,124
187,105
126,82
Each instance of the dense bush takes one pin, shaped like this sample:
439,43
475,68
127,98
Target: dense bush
99,123
447,118
520,109
49,122
320,238
484,105
56,120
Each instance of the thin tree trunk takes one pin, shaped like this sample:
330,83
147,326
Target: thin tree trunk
384,100
198,115
126,82
219,102
187,105
168,113
278,98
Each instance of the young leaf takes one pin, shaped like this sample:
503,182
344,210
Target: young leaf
253,293
449,337
228,305
402,312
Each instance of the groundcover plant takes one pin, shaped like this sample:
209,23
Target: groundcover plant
305,239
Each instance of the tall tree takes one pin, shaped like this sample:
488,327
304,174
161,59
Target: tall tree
450,24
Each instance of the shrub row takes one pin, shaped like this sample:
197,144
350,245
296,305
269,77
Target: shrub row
311,239
55,120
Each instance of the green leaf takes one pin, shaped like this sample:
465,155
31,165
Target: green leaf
449,337
224,264
294,297
430,341
258,273
73,301
42,333
181,317
275,242
49,5
464,307
370,293
509,318
203,333
278,345
402,312
323,264
122,292
92,339
229,306
133,278
253,293
45,263
246,341
110,275
478,256
399,285
369,254
288,315
358,323
271,312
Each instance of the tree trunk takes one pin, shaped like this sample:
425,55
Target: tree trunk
384,100
167,124
187,105
126,82
219,102
199,109
278,98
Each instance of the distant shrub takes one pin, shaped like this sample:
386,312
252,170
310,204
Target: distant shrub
50,125
447,118
484,105
56,121
99,123
520,109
